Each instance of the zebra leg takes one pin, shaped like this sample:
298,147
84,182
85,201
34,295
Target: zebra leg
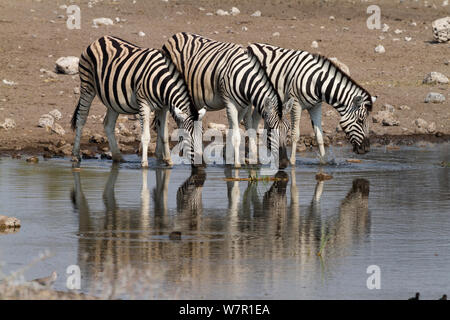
316,119
79,120
163,137
145,112
252,147
233,121
256,119
296,114
110,125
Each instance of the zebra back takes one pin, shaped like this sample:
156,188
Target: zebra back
214,70
125,75
311,78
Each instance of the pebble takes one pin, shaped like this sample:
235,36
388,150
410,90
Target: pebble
32,159
380,49
435,78
235,11
67,65
46,121
9,222
8,124
257,13
55,113
314,44
102,22
434,97
221,12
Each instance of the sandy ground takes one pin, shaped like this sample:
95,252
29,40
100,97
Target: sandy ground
33,35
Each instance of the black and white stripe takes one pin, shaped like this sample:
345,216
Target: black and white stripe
128,80
222,75
311,79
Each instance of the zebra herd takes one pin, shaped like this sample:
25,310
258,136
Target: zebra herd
193,74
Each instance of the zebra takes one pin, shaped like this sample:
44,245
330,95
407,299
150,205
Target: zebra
222,75
129,80
311,79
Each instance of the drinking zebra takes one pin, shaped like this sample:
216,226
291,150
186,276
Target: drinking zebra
222,75
128,80
311,79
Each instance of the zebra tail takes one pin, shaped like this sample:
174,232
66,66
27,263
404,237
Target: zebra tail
75,116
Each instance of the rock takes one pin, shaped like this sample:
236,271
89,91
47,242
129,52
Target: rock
9,222
97,138
257,13
386,118
127,139
301,147
58,129
275,34
420,123
388,107
102,22
76,90
321,176
49,73
8,124
55,113
380,49
106,155
441,29
123,130
431,128
408,39
340,65
9,83
46,281
332,18
435,78
141,34
67,65
385,28
33,159
46,121
88,154
65,150
314,44
404,107
434,97
398,31
217,126
221,12
235,11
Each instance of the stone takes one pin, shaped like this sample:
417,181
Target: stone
49,73
420,123
32,159
97,138
217,126
314,44
141,34
340,65
275,34
435,78
441,29
235,11
102,22
380,49
8,124
76,90
46,121
388,107
431,128
58,129
55,113
65,150
67,65
123,130
386,118
434,97
385,28
221,12
257,13
9,222
404,107
88,154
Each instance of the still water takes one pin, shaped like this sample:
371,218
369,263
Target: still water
239,240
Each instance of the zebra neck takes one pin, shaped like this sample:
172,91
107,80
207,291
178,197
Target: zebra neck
338,90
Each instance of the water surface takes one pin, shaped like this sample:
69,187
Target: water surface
238,239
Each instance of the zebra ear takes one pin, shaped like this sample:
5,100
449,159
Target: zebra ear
201,113
374,98
287,107
357,101
269,106
180,114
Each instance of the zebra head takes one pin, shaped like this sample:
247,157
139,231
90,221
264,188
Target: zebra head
192,139
355,123
277,126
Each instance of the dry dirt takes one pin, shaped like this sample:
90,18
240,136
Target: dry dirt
33,35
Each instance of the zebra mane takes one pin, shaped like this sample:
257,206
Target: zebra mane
321,58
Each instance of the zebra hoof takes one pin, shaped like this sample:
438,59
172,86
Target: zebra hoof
292,162
168,162
117,159
144,165
76,161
